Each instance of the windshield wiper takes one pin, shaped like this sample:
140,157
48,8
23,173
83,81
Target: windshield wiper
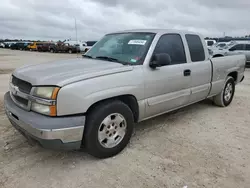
112,59
105,58
88,56
108,58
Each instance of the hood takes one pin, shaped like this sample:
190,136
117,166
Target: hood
60,73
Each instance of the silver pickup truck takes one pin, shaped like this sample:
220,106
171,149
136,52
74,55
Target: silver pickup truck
126,77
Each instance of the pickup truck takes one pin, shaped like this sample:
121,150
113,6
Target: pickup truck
64,47
45,47
127,77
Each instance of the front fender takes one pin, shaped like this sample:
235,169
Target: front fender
72,102
77,97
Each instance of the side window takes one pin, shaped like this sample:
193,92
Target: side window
195,47
172,45
237,47
248,47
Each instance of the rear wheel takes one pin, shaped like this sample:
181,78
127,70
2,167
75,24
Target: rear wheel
109,128
70,51
52,50
225,97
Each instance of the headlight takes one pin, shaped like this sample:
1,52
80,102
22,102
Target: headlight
46,92
43,109
40,108
47,107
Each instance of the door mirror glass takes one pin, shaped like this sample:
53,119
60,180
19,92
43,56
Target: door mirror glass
159,60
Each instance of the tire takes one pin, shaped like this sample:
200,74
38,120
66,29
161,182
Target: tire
225,97
51,50
116,111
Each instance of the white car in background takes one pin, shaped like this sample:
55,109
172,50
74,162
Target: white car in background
220,45
2,45
210,43
87,45
235,48
84,46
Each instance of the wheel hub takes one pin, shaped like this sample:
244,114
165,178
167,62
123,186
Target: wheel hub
112,130
228,91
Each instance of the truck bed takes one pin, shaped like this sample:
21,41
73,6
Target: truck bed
222,66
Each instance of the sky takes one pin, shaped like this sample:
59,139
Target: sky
55,19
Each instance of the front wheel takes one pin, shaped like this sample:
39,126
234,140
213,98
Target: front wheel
225,97
109,128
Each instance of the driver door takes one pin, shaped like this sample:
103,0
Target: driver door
167,87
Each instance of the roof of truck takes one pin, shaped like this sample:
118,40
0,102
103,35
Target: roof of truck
161,31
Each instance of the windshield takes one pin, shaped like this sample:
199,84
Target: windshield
130,48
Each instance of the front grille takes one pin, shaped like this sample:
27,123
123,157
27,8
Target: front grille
21,100
22,85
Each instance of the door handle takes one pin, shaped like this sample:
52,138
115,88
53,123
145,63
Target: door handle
187,72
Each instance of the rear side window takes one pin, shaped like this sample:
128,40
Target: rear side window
195,47
172,45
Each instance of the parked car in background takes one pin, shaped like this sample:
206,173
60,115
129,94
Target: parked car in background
127,77
33,46
8,44
84,47
64,47
2,45
44,47
19,46
239,47
210,43
219,45
24,46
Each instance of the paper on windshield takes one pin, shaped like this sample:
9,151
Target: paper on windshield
137,42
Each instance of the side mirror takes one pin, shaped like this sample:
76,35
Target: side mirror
159,60
232,49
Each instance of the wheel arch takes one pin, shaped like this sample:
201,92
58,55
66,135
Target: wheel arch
234,74
128,99
218,55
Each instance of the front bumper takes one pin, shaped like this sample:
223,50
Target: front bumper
49,132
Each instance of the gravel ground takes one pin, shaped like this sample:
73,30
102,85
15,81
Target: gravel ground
198,146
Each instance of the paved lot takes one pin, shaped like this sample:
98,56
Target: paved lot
198,146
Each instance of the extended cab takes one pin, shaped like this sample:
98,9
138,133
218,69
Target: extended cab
127,77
